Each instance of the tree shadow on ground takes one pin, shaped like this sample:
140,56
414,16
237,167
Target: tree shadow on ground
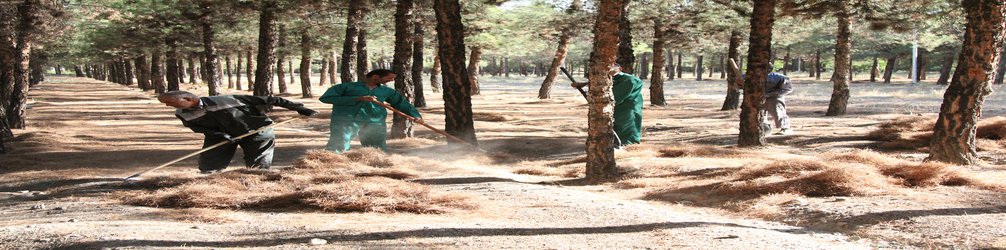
421,233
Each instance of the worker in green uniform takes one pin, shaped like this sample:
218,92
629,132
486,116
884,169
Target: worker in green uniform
354,112
627,92
221,118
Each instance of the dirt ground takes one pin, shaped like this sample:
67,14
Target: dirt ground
58,186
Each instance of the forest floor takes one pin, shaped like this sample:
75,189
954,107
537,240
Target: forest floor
61,186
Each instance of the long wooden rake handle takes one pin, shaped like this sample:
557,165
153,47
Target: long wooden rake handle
385,105
212,147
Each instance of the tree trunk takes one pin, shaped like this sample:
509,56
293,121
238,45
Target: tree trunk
671,67
644,65
948,63
129,71
401,63
818,67
181,68
249,73
293,76
192,70
156,73
362,65
266,51
843,51
237,72
698,68
332,68
228,70
209,49
723,68
142,72
280,60
171,65
601,164
305,64
435,72
1000,69
785,61
23,43
78,71
417,61
657,78
354,21
506,67
323,75
874,69
759,53
954,134
473,69
734,80
626,57
892,63
457,85
560,56
679,66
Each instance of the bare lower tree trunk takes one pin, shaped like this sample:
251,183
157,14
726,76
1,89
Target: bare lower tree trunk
237,71
626,57
227,70
171,65
954,134
457,85
734,81
601,164
644,65
657,78
323,75
266,51
473,69
553,70
435,73
142,72
402,64
212,62
948,63
332,68
843,51
362,62
874,69
156,73
671,67
249,73
280,60
759,53
417,61
698,68
354,22
305,64
892,63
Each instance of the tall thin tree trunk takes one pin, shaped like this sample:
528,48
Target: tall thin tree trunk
1000,69
266,51
545,91
457,86
679,67
142,72
435,72
281,59
212,62
417,60
954,134
698,68
734,81
237,71
644,65
626,57
227,70
354,21
362,62
948,63
191,70
657,78
874,69
473,69
171,65
843,60
305,64
249,73
156,72
759,53
323,75
600,153
402,64
892,63
332,68
671,66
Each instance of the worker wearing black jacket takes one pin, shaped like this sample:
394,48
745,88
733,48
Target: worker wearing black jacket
220,118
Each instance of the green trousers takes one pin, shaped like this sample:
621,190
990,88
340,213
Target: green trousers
257,149
371,135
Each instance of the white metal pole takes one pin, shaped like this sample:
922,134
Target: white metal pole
915,59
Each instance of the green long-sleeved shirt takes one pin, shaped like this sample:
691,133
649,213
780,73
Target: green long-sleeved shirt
345,107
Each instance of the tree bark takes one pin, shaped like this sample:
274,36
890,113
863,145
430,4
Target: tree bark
734,80
457,85
843,51
228,70
954,134
324,74
818,67
679,67
608,28
671,67
545,91
191,70
142,72
874,69
249,73
78,71
266,51
280,60
362,63
237,71
210,49
172,64
657,77
305,64
402,64
332,68
473,69
626,57
892,63
129,71
156,73
644,65
354,20
417,61
948,63
759,53
435,72
1000,69
698,68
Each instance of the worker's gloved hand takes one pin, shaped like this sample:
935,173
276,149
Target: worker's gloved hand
223,135
578,84
307,112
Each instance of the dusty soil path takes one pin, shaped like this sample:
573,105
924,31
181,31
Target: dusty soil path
84,135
